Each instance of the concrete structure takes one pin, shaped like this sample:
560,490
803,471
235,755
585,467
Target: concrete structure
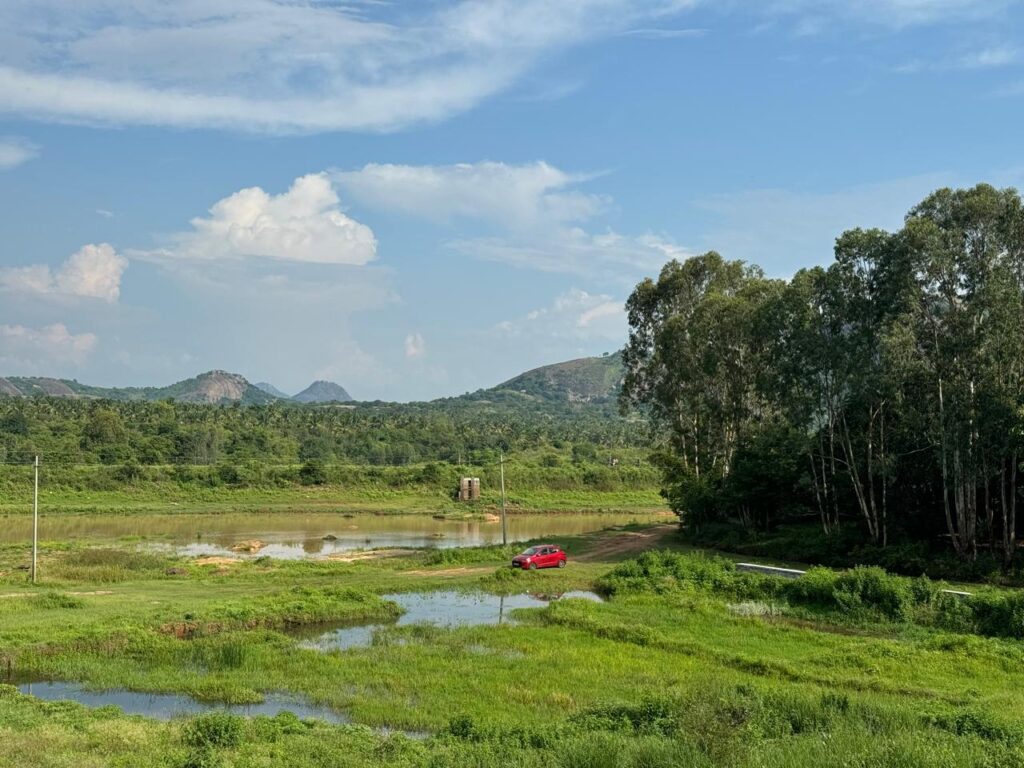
469,489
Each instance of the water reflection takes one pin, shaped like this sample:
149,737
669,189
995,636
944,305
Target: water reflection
299,534
163,706
438,609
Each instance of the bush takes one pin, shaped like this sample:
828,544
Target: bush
214,729
999,615
313,473
665,572
873,588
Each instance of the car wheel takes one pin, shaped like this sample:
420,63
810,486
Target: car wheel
561,563
533,566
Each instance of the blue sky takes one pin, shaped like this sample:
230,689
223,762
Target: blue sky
421,199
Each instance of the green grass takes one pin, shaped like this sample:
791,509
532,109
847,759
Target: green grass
672,671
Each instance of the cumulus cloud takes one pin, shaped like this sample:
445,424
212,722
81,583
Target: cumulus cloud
277,65
31,349
14,151
94,271
574,315
415,346
304,224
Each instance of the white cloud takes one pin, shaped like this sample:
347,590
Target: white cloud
31,349
990,57
512,196
14,151
415,346
94,271
277,65
893,13
535,211
304,224
575,315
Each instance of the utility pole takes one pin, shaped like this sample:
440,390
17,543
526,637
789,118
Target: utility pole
35,524
504,525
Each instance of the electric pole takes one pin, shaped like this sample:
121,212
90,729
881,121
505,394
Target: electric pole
35,523
504,525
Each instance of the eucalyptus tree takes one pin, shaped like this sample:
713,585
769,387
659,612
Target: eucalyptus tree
966,277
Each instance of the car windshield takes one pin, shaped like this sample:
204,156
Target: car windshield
531,551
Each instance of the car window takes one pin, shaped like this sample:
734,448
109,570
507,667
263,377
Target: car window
530,551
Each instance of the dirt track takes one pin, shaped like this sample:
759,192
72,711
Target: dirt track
613,545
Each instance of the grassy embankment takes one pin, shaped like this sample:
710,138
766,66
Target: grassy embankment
688,663
413,489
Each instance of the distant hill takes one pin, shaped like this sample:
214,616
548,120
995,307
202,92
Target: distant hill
323,392
270,389
211,387
585,380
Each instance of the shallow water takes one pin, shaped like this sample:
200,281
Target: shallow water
438,609
296,535
164,706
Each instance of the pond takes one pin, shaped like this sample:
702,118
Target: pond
296,535
439,609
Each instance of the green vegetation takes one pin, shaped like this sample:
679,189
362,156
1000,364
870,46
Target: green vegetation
589,379
882,395
689,663
103,455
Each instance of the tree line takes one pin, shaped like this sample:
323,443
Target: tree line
883,392
457,430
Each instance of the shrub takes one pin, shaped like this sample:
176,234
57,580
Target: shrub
665,572
214,729
873,588
999,615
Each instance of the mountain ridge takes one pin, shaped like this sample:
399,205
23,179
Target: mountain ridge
581,381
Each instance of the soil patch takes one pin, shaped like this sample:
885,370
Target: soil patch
617,544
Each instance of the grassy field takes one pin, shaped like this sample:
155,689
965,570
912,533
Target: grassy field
402,501
687,663
413,489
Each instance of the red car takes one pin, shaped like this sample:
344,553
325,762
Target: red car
541,556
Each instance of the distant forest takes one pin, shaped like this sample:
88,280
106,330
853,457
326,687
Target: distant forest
881,396
469,429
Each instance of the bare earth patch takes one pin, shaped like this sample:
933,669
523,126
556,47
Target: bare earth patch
250,547
616,544
217,560
450,571
373,554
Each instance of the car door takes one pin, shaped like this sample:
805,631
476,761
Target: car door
544,557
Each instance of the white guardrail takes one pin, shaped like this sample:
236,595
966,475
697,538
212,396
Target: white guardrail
793,573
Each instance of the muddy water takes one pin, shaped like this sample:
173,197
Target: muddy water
296,535
439,609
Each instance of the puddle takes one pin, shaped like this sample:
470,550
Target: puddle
439,609
164,706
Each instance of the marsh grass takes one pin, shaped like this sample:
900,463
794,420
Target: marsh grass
664,674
